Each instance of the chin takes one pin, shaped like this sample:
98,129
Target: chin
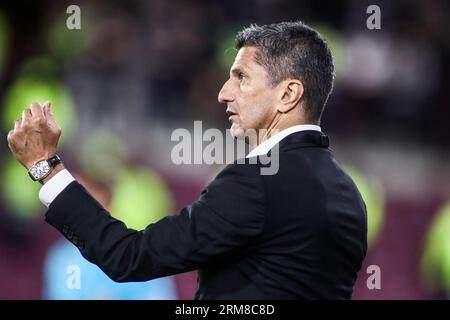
248,136
237,133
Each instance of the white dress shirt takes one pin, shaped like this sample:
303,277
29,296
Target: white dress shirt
62,179
268,144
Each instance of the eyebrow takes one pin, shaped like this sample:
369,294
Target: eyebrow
237,70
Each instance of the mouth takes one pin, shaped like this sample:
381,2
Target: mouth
230,115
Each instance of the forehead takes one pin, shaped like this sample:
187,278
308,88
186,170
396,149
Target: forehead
245,58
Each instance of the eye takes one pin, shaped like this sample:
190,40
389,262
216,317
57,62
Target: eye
241,76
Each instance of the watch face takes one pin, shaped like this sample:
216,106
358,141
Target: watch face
40,169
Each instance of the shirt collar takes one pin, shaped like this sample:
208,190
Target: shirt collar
268,144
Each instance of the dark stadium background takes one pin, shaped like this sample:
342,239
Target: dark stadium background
137,70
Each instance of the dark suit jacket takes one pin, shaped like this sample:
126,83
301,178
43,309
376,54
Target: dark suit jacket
298,234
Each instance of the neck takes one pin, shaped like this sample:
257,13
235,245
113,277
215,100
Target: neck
280,122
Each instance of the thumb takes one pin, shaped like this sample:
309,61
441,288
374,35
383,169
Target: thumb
46,106
49,116
47,111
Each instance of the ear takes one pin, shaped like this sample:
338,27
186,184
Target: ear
291,93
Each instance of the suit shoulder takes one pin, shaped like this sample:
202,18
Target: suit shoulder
236,183
241,168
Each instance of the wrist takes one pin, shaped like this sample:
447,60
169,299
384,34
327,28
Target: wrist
59,167
28,164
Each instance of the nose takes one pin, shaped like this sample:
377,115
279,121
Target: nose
225,94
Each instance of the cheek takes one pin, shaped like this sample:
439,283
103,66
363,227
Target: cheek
253,117
255,106
259,105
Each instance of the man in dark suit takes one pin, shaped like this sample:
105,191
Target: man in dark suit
297,234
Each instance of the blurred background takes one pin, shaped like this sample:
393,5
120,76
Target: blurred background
137,70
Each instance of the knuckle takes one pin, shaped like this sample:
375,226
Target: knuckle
39,121
11,140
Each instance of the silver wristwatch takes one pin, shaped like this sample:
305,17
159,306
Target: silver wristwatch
42,169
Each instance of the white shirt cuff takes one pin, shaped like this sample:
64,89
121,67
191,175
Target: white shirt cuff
53,187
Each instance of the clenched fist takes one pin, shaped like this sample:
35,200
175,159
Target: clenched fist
34,137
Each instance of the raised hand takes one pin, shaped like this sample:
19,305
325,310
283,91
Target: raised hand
35,136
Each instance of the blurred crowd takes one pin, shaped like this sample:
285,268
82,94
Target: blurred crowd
137,70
